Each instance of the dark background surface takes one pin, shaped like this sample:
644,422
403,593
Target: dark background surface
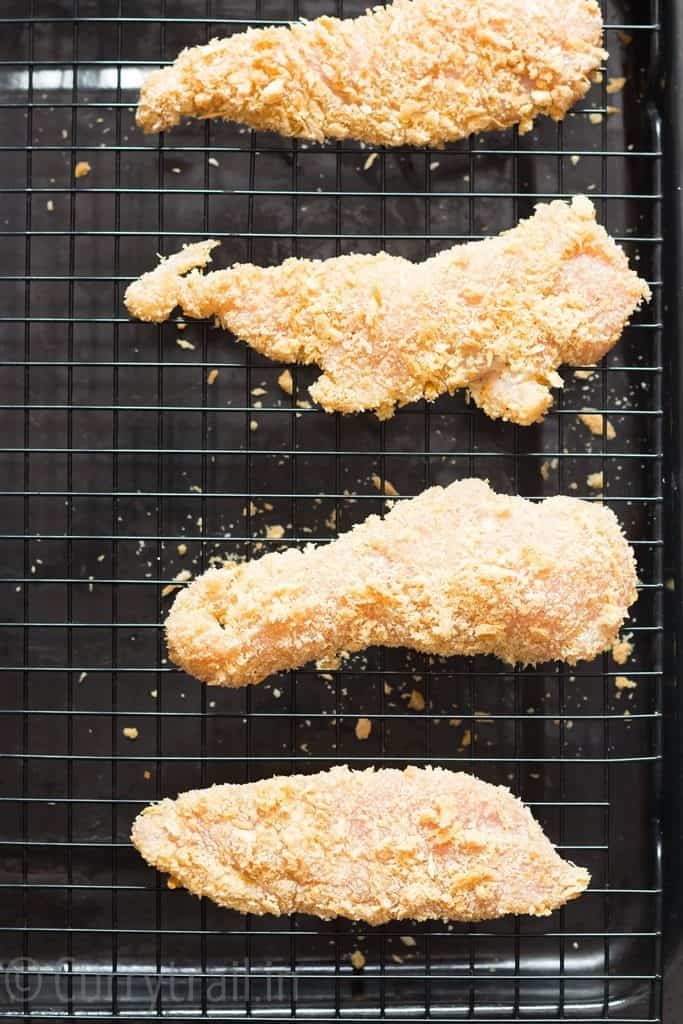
115,450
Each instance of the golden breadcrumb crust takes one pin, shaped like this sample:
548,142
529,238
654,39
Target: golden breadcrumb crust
456,570
497,316
373,846
422,72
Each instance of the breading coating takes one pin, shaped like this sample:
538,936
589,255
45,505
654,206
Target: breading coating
373,846
421,72
497,316
456,570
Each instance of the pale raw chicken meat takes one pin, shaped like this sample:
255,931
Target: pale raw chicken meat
422,72
456,570
497,317
373,846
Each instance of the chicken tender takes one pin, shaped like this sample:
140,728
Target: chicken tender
456,570
373,846
422,72
497,317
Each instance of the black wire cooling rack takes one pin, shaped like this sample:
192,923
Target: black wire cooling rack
127,459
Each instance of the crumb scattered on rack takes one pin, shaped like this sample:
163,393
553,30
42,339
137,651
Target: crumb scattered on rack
670,583
182,550
614,85
182,343
130,732
622,649
257,392
416,701
286,382
370,161
180,577
408,940
547,466
275,532
596,480
81,169
387,488
611,111
50,204
595,117
624,38
574,159
253,425
583,374
212,160
363,728
624,683
357,960
82,677
597,424
147,774
212,377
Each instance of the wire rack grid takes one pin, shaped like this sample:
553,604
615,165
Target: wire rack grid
126,459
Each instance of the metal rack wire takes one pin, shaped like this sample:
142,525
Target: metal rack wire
117,451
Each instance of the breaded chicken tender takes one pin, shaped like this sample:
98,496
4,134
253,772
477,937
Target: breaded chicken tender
422,72
373,846
456,570
497,317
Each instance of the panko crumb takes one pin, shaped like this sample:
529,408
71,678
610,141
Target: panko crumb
212,377
408,940
370,161
624,683
622,649
50,205
595,117
363,728
182,549
81,169
624,38
387,488
614,85
286,382
182,343
583,374
275,532
180,577
547,466
597,424
416,701
258,392
130,732
357,960
596,480
670,583
147,774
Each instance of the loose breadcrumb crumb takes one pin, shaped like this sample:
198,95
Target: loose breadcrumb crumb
182,343
180,577
547,466
614,85
387,487
416,701
624,38
595,117
370,161
623,683
622,649
130,732
286,382
275,532
363,728
212,377
583,374
408,940
182,549
358,960
596,480
147,774
596,423
81,169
